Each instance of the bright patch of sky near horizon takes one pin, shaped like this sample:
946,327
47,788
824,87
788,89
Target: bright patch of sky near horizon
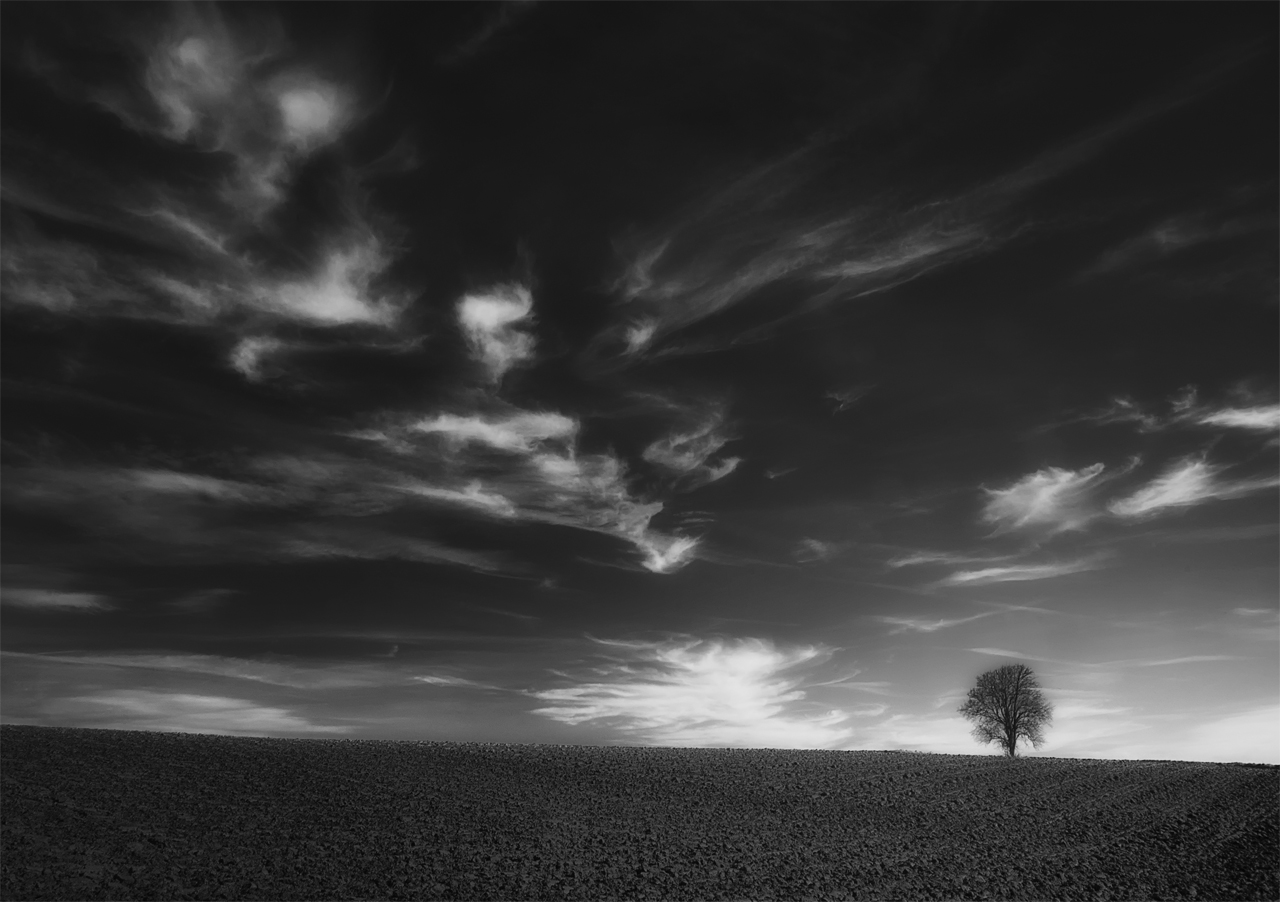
748,375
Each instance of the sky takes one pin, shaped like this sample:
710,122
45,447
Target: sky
749,375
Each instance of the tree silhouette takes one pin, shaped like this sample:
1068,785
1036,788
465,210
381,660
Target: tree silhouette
1007,705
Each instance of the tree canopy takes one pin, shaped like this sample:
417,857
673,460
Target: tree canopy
1006,706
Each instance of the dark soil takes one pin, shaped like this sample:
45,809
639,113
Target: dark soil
102,814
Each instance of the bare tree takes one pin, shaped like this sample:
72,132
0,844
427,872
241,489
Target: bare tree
1007,705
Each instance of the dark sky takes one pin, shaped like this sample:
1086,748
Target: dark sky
677,374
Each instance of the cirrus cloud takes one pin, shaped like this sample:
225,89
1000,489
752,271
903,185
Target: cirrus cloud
1187,483
1053,498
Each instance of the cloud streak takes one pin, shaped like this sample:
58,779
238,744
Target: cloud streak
181,712
762,239
1247,411
1053,499
53,600
1185,484
991,575
925,625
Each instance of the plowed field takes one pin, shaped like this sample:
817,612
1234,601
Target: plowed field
97,814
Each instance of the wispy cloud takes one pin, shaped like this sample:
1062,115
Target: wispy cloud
927,625
686,453
667,287
1231,224
250,354
539,475
1246,410
503,18
762,238
923,558
205,84
324,509
1256,612
990,575
1263,418
148,709
53,600
1007,653
208,254
519,431
1187,483
339,289
687,692
1053,498
495,323
274,671
1187,659
453,681
845,398
808,550
473,495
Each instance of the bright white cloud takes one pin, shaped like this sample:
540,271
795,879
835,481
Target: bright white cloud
686,692
1186,408
456,681
519,432
1186,483
590,492
665,554
340,291
1260,419
495,324
544,479
639,334
313,111
991,575
53,600
1054,498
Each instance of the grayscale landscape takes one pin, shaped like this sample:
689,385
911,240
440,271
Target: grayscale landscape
570,451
